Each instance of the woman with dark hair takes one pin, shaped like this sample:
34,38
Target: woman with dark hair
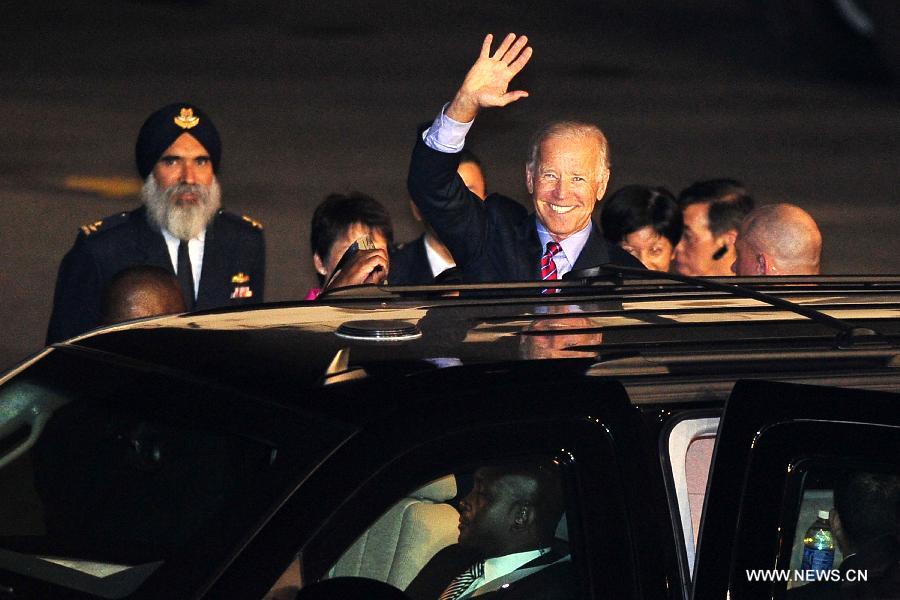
644,221
338,222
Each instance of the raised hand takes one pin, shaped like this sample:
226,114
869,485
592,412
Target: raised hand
487,81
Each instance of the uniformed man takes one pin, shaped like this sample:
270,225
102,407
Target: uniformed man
218,258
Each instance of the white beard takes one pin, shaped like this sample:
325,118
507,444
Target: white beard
184,221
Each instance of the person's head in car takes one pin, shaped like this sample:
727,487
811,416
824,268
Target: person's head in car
139,292
511,508
865,509
338,222
644,221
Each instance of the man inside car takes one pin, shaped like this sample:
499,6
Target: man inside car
566,175
507,526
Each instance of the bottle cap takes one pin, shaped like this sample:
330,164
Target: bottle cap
823,514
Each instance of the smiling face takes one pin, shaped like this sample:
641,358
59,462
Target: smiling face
651,248
566,183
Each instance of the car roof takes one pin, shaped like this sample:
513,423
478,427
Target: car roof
640,331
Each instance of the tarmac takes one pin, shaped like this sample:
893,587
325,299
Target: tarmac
315,98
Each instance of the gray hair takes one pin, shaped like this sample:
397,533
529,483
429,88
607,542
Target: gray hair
184,222
570,130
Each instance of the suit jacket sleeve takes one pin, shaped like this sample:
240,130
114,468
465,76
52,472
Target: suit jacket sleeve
76,300
456,214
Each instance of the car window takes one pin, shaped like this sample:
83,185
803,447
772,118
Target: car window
847,533
452,521
110,473
408,535
688,446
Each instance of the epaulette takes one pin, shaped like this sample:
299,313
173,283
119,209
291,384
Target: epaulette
104,224
256,224
244,220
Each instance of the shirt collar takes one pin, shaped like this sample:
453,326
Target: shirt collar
436,261
503,565
174,240
571,246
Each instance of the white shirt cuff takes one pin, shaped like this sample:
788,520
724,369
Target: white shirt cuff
445,134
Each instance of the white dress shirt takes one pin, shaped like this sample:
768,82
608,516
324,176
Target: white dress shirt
502,565
571,247
445,134
437,262
195,251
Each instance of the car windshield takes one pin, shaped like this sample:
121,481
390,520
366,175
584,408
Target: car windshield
110,472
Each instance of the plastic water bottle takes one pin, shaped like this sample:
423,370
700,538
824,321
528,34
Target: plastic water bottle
818,545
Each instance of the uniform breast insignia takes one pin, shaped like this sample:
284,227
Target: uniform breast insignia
241,290
252,221
90,228
186,119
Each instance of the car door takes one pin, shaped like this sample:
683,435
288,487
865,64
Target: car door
454,422
783,451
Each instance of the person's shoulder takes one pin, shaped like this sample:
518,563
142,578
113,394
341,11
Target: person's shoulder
506,206
107,228
243,224
455,553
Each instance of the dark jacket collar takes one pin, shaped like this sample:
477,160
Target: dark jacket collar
595,251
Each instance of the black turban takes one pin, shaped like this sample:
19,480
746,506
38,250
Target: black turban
164,126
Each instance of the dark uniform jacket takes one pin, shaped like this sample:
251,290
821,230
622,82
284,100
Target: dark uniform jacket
409,264
494,240
234,257
553,582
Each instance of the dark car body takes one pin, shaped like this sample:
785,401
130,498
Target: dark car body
197,455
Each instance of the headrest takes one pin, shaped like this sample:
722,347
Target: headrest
439,490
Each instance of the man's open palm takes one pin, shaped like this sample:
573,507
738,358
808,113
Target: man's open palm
487,82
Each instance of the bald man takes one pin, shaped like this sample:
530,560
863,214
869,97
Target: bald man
779,239
142,291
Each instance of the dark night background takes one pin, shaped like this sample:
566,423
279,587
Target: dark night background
314,97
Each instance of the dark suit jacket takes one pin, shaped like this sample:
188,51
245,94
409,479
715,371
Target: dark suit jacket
555,582
233,246
494,240
409,264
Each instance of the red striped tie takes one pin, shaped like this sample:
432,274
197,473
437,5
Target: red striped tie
548,266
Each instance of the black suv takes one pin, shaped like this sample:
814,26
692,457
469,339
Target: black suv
697,428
